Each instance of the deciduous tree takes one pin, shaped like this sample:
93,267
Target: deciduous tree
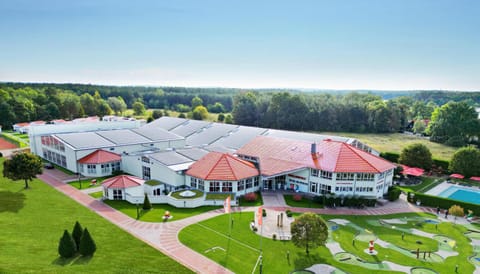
309,230
416,155
22,166
466,161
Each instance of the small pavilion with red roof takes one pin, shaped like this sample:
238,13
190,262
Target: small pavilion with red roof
123,187
99,163
222,172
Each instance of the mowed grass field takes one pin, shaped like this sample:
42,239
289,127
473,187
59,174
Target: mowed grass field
395,142
240,252
32,222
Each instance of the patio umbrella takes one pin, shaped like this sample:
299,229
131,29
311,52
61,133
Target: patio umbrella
413,171
457,176
475,178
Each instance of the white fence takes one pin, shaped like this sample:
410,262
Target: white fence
186,203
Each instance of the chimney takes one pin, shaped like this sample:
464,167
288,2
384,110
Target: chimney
313,148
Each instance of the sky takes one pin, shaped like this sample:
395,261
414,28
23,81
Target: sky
336,44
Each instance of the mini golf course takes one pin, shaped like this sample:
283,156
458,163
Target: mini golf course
403,243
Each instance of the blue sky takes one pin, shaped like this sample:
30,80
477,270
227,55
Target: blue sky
358,44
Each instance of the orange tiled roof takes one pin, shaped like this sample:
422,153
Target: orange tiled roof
99,157
279,155
122,181
22,124
222,166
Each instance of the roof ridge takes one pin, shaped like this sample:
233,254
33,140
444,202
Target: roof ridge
368,162
226,156
214,165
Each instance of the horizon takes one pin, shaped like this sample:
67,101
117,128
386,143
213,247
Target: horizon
308,45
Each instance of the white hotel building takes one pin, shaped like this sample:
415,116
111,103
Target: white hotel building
213,157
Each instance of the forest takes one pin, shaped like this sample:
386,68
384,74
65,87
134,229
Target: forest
448,117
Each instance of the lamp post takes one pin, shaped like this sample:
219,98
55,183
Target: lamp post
138,212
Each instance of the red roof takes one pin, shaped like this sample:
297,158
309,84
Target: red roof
222,166
99,157
22,124
279,155
122,181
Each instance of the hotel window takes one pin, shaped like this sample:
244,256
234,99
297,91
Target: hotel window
105,168
117,194
255,181
365,176
193,182
314,172
146,172
249,183
343,176
115,166
241,185
381,175
145,160
201,185
92,169
313,187
157,192
326,174
227,187
214,186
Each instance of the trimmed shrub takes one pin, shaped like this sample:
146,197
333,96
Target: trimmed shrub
274,237
390,156
1,155
146,203
264,213
393,194
66,246
297,197
77,234
87,245
288,213
441,163
251,197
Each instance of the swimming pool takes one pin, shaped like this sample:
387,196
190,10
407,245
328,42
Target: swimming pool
461,194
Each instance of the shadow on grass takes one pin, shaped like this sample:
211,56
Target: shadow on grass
303,260
77,260
11,201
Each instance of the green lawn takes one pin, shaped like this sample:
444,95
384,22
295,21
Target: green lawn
395,142
240,251
305,202
426,184
97,195
176,194
156,213
87,183
219,196
33,221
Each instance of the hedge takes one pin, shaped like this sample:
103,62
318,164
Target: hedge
441,163
390,156
444,203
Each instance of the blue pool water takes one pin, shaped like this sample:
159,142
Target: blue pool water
460,194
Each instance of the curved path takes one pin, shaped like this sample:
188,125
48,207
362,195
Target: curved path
164,236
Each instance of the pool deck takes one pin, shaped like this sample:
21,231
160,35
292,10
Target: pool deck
444,186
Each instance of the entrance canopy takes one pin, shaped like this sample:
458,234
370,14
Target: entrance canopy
457,176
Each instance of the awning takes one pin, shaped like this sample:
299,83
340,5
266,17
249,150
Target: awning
475,178
412,171
457,176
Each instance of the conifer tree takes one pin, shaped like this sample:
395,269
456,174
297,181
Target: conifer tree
66,246
87,244
146,203
77,234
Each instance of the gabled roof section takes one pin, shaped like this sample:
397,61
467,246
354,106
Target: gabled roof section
122,181
279,155
222,167
100,157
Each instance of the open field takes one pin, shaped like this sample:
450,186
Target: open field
240,252
33,221
395,142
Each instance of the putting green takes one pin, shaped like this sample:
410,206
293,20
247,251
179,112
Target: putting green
349,258
473,235
475,260
421,270
445,243
365,237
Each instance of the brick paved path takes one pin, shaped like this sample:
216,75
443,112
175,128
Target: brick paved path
164,236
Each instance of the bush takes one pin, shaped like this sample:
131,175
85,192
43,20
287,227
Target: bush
146,203
274,237
393,194
77,234
297,197
264,213
288,213
1,155
87,245
251,197
390,156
